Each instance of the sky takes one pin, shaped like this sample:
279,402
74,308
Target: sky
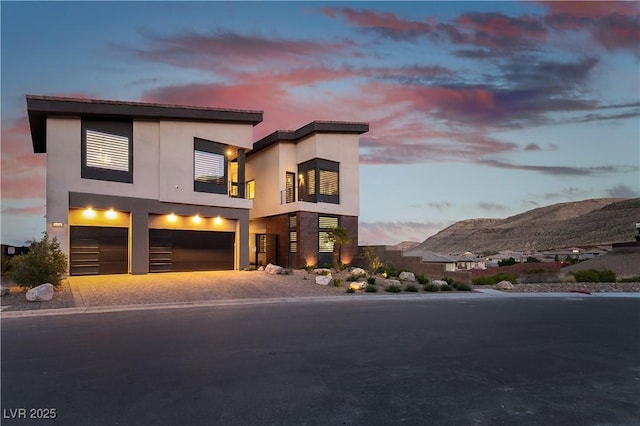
476,109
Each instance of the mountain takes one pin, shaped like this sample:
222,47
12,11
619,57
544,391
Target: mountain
596,221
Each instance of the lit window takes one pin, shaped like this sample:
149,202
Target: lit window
107,150
209,167
325,244
319,181
293,241
251,189
328,182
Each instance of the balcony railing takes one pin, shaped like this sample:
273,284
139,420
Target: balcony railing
287,196
238,190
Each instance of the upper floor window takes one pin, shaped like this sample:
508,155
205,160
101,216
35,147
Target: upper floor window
107,150
290,189
251,189
319,181
209,167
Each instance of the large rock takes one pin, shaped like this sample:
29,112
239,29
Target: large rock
273,269
504,285
42,293
388,283
358,272
357,286
407,276
323,279
439,283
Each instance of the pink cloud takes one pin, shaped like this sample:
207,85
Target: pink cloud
390,233
23,172
380,21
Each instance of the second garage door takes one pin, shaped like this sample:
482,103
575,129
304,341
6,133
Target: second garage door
182,251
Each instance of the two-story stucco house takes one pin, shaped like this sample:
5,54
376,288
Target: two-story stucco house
138,187
306,182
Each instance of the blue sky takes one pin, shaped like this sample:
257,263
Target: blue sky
476,109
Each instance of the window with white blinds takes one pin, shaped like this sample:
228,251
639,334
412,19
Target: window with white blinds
327,222
325,245
209,167
293,241
107,151
328,182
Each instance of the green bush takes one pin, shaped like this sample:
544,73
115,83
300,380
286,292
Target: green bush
350,290
446,287
595,276
460,286
431,288
495,279
394,288
447,280
392,272
411,288
44,263
371,288
371,280
635,279
507,262
337,282
421,279
352,278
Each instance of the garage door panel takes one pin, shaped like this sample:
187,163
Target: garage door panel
182,251
98,250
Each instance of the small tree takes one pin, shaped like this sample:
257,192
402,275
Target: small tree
340,237
44,263
372,258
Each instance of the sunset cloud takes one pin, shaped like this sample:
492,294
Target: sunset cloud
390,233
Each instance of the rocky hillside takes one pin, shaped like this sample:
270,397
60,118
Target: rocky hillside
560,225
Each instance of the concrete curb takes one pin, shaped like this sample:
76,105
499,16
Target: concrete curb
475,295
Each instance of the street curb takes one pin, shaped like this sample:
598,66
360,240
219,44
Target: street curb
478,294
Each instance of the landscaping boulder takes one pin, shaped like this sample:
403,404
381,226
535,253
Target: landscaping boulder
439,283
41,293
357,272
388,283
323,279
504,285
322,271
407,276
357,286
273,269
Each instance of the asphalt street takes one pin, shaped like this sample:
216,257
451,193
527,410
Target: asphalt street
528,361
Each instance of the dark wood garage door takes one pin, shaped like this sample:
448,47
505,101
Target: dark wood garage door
98,250
182,251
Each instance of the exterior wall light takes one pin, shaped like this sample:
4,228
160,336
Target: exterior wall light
196,219
89,213
57,224
111,214
217,220
172,218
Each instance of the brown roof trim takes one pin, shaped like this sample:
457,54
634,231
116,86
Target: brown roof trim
41,107
295,136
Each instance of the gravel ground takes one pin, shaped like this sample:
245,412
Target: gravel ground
110,290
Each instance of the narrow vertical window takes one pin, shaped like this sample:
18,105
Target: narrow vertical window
290,187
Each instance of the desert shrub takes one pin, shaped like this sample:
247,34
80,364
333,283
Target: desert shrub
392,272
421,279
607,276
431,288
411,288
371,288
446,287
460,286
371,280
337,282
495,279
350,290
635,279
595,276
447,280
327,265
44,263
587,276
394,288
352,278
507,262
6,265
325,273
309,268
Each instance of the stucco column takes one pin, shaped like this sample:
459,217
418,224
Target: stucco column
139,242
241,182
242,240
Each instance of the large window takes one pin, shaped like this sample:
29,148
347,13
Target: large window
325,224
107,150
319,181
209,167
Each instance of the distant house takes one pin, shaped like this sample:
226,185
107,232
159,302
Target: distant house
140,187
